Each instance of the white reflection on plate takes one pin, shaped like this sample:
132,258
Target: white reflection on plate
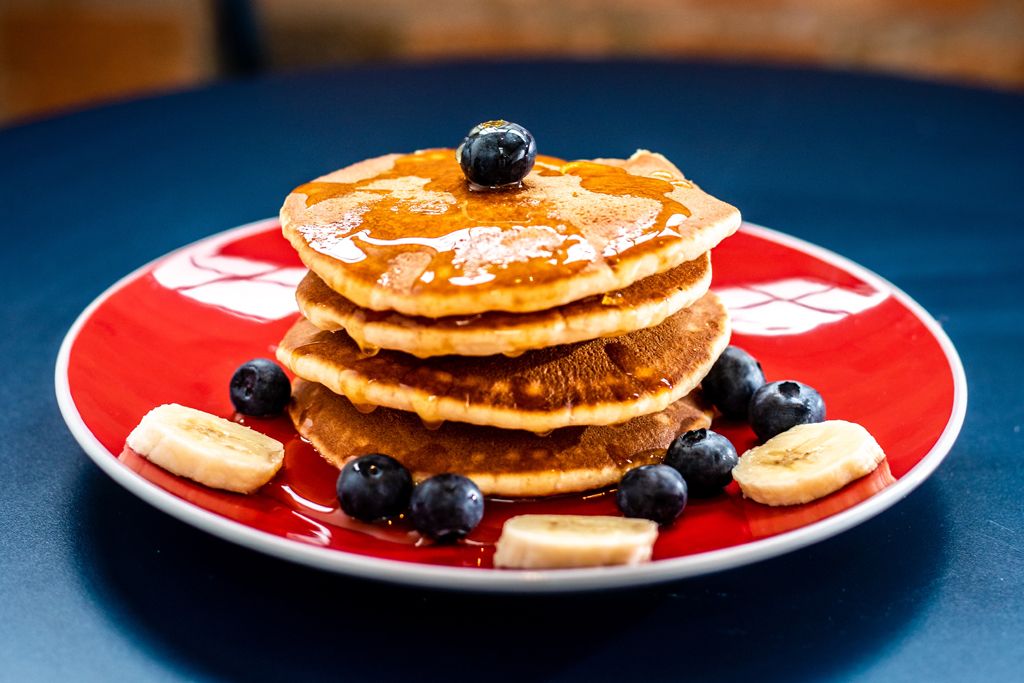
256,289
794,305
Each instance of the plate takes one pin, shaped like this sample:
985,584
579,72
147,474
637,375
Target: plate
175,330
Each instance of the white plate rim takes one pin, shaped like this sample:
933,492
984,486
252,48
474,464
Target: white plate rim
519,581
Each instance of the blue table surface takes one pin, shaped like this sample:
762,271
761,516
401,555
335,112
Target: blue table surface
920,182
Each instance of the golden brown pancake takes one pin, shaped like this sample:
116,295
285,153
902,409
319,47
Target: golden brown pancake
601,381
643,304
405,232
502,462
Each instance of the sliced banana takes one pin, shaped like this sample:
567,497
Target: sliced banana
558,541
807,462
206,448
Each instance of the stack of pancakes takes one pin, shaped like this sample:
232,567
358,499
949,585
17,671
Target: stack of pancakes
538,340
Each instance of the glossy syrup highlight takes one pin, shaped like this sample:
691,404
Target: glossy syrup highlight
420,227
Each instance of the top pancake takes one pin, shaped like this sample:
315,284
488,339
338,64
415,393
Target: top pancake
405,232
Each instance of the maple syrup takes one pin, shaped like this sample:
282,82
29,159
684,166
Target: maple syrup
422,214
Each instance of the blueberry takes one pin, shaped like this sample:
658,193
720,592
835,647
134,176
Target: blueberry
705,459
260,388
373,487
655,492
446,507
733,379
776,407
497,153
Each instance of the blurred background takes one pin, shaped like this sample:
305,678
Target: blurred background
61,54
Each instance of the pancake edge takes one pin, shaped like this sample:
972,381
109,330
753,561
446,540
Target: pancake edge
423,342
534,485
350,384
718,219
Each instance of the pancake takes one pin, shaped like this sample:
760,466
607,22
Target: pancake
502,462
643,304
601,381
405,232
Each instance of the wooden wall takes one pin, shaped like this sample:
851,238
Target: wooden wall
56,54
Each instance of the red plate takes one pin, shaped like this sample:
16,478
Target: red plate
175,330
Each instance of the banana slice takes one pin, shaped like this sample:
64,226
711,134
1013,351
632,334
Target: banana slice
807,462
206,448
556,541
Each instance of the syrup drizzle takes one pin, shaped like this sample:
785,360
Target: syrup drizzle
420,227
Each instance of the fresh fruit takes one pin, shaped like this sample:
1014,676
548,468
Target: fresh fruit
654,492
446,507
497,153
807,462
778,406
206,448
374,486
260,388
554,541
733,379
705,459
